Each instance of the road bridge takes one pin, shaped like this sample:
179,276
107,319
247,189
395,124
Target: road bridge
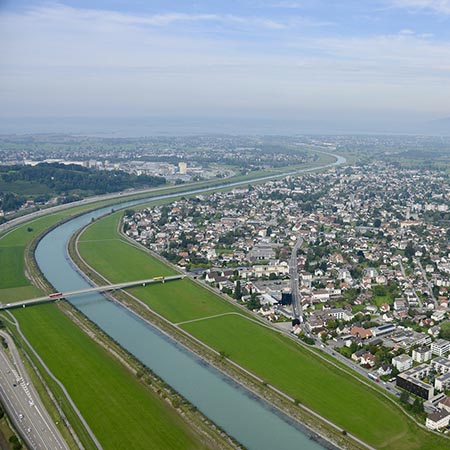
108,287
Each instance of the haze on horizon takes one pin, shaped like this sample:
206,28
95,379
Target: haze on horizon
322,65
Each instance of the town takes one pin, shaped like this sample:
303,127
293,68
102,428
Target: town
374,266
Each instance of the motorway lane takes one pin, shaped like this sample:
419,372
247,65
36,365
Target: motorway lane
23,404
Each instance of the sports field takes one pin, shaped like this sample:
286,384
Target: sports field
274,358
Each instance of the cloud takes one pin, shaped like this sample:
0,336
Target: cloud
61,60
437,6
287,5
60,12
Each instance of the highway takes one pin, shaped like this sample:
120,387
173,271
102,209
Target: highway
108,287
293,273
23,405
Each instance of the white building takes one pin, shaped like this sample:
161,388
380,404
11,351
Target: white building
182,166
421,355
442,382
440,346
438,420
438,315
402,362
341,314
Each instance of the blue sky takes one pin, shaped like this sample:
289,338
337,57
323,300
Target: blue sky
381,60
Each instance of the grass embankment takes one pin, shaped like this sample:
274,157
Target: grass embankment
14,285
352,405
118,408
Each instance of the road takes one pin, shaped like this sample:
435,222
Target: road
23,404
330,350
419,301
429,284
108,287
293,273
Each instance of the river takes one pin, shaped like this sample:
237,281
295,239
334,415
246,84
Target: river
248,419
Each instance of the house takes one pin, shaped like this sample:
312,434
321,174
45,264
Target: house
367,359
434,331
438,419
360,332
384,369
214,277
400,304
322,295
358,354
402,362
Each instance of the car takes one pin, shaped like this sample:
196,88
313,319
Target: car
20,416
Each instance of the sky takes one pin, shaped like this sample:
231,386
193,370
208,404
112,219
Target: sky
362,64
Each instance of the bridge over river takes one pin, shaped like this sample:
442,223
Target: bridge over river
105,288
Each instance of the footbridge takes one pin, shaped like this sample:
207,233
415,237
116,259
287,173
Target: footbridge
109,287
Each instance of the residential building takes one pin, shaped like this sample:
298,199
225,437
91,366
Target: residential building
411,380
402,362
438,419
421,355
440,347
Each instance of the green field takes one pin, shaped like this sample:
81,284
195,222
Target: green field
182,300
331,393
178,300
121,412
103,248
12,260
274,358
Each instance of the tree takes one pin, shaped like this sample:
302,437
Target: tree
417,406
404,397
410,250
237,290
254,302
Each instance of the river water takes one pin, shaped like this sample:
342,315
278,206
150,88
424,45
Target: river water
249,420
